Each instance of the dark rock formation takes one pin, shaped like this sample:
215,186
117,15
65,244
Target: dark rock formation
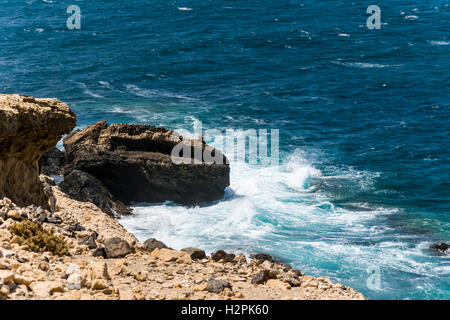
117,248
195,253
152,244
82,186
222,255
53,162
28,128
134,163
262,257
442,248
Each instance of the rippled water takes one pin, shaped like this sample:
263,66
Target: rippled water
363,118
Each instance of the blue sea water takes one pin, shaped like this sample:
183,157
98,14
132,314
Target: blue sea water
364,181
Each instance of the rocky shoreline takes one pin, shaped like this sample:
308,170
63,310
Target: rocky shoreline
63,242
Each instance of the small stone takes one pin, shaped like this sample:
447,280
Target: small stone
4,290
74,281
201,287
14,214
99,284
99,270
43,266
117,248
217,286
6,276
195,253
15,239
240,258
227,292
168,255
4,265
261,277
18,279
108,291
141,276
184,259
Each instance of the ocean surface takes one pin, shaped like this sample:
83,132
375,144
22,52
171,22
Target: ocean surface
363,115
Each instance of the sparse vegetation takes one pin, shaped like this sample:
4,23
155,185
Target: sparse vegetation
39,239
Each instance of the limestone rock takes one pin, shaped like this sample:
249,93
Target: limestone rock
28,128
134,163
275,283
6,276
99,284
168,255
99,270
13,214
46,288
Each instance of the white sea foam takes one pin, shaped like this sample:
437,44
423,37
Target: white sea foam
361,65
439,43
184,9
259,204
153,93
87,91
412,17
282,211
105,84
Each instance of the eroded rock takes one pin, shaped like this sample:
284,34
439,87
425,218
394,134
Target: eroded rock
53,162
84,187
28,128
134,163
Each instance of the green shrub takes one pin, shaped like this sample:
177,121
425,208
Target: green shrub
38,239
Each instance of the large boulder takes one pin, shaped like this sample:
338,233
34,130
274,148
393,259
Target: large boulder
152,244
117,248
28,128
84,187
134,162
